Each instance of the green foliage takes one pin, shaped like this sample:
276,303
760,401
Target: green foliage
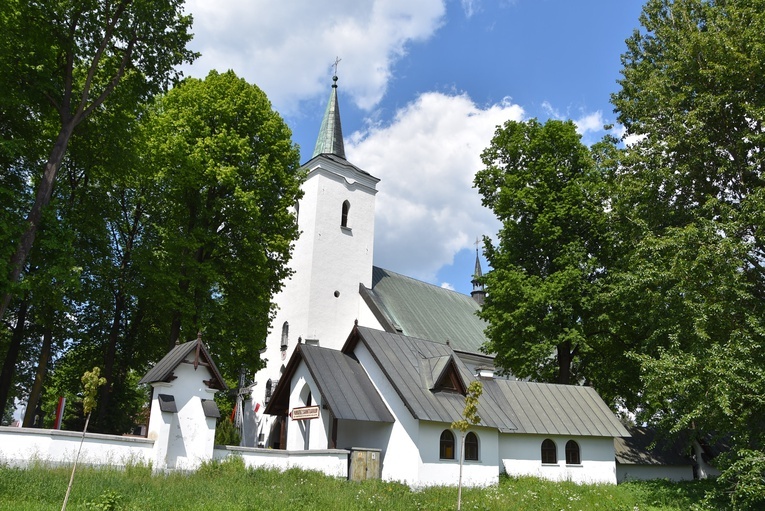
107,501
229,486
225,175
232,466
80,71
226,433
470,414
91,380
744,480
470,417
685,293
548,190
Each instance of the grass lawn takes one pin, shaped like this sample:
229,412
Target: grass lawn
230,486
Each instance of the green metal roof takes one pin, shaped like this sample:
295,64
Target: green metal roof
418,309
510,406
330,139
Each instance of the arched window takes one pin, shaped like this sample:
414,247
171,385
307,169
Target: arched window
285,335
471,447
344,215
572,453
549,452
269,390
446,448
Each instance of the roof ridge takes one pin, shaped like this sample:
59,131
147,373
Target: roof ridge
421,281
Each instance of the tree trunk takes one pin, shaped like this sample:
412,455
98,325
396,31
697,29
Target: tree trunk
564,363
9,367
175,330
42,199
109,357
42,369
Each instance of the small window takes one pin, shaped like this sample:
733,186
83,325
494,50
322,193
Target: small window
572,453
549,452
344,214
446,450
471,447
285,335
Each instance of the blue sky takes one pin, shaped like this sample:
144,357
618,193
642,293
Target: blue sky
422,86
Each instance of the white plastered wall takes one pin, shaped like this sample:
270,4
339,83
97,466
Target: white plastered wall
400,452
521,455
315,429
190,435
436,471
321,300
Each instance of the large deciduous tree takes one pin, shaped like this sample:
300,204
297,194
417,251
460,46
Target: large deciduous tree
547,189
226,174
688,295
62,61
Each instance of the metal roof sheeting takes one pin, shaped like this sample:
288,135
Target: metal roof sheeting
509,406
344,385
425,311
406,362
330,139
163,370
548,409
646,448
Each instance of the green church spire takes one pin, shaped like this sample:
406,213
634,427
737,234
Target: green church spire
330,140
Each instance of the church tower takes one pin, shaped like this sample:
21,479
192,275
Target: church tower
332,256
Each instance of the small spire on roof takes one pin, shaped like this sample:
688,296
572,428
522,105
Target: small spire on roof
478,293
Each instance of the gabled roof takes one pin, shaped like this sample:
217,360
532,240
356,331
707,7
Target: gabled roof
163,370
330,139
413,367
549,409
418,309
408,365
509,406
644,447
344,385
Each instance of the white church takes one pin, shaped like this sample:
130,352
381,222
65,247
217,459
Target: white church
360,356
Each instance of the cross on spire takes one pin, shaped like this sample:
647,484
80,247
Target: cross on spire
337,61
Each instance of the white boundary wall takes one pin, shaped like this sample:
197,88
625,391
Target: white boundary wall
332,462
24,446
649,472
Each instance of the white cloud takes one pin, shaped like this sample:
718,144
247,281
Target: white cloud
627,139
590,123
470,7
448,286
287,48
426,158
